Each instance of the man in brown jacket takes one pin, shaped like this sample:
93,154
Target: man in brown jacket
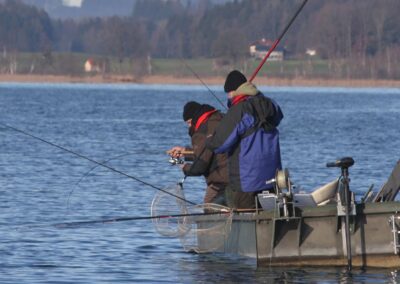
202,119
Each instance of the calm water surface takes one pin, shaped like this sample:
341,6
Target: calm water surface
130,127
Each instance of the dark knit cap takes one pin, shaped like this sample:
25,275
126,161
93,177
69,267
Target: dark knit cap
234,80
190,110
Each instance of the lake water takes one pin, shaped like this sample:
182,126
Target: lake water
130,127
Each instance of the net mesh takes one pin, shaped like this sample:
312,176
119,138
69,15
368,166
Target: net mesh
209,231
201,228
167,205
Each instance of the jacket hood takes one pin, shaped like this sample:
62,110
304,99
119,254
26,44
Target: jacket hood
247,88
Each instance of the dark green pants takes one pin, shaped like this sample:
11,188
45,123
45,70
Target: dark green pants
215,194
239,199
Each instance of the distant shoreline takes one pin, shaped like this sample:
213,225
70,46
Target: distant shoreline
98,79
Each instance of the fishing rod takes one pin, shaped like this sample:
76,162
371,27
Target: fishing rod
204,84
184,152
75,224
95,162
277,41
134,218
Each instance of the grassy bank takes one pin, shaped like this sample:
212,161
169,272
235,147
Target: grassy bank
218,80
66,67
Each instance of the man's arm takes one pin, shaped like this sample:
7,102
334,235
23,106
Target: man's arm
201,157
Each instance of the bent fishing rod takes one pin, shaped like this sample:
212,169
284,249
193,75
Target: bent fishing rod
94,161
277,41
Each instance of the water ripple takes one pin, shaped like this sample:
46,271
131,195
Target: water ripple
41,186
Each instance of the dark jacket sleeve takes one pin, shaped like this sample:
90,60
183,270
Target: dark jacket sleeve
277,115
268,113
201,156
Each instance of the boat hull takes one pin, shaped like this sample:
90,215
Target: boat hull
316,237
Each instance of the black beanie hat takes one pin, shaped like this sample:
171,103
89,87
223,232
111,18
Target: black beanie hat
190,109
234,80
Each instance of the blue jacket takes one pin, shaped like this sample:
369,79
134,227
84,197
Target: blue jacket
249,135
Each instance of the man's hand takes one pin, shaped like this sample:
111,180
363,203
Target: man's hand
176,152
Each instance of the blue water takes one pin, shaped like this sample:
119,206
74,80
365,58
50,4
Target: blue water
132,126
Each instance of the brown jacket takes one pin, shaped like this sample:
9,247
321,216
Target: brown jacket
214,167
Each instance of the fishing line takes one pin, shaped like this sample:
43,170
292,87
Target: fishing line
94,161
204,84
277,41
89,171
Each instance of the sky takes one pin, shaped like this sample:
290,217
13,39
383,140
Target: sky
72,3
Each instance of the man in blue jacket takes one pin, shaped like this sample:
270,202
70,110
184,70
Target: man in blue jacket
249,135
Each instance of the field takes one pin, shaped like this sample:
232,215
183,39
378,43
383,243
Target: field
73,64
69,67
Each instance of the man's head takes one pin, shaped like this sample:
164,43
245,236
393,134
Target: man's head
234,80
191,110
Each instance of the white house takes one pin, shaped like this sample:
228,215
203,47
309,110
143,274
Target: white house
260,48
92,66
311,52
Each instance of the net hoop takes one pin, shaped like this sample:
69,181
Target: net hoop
201,228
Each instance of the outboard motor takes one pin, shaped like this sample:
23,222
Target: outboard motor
345,196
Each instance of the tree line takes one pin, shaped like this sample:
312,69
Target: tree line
357,38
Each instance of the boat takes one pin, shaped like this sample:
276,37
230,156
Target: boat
327,227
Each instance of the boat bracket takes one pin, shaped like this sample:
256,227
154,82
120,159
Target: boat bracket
394,221
341,211
286,217
342,207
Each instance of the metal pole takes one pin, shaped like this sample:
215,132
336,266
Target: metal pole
345,173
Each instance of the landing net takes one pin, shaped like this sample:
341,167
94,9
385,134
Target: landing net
209,231
202,228
166,205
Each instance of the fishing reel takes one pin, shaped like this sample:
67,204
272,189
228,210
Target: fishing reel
282,182
283,191
175,161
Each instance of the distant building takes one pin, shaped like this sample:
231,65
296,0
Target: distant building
91,66
260,48
311,52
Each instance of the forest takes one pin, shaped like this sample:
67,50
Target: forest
353,38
